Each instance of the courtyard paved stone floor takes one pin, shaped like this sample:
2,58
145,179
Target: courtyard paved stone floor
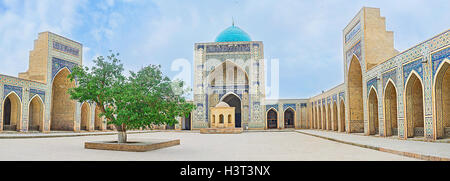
434,149
249,146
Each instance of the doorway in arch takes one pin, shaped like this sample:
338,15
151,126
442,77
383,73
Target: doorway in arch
36,114
414,107
12,112
235,102
390,110
272,119
289,116
442,91
373,113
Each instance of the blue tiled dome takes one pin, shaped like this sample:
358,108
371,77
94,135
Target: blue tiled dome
233,33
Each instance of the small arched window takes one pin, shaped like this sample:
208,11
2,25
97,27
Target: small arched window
229,118
221,118
213,119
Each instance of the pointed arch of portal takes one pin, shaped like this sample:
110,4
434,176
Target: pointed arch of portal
36,114
324,117
315,117
329,122
335,115
355,94
319,116
442,101
272,118
342,116
289,118
85,122
311,124
62,107
12,112
414,109
98,120
226,70
373,128
390,108
234,101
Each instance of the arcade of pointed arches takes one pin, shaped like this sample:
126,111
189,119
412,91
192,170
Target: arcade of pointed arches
413,96
329,116
287,116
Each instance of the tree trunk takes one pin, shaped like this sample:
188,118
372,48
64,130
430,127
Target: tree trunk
122,134
122,137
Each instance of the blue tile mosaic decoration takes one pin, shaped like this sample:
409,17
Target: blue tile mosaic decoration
222,90
328,100
389,75
416,66
58,64
353,32
335,97
438,57
372,82
65,48
286,106
275,106
10,88
303,105
229,87
228,48
200,46
356,49
342,95
323,101
207,109
235,92
41,93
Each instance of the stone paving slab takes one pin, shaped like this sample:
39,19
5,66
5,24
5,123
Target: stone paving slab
415,149
248,146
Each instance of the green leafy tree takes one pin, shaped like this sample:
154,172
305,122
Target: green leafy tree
145,98
99,83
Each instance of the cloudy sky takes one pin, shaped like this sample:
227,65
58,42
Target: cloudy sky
304,35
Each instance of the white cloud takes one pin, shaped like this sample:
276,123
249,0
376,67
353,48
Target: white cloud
161,32
306,36
104,5
21,22
87,61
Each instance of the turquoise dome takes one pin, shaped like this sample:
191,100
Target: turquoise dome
233,33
